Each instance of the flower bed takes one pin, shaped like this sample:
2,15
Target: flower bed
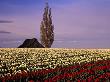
85,72
54,65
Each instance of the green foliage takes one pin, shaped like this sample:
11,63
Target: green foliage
46,29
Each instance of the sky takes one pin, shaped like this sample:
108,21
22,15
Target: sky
82,22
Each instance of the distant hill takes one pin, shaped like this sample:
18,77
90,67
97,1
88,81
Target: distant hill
31,43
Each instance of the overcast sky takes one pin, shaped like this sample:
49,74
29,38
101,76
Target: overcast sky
73,19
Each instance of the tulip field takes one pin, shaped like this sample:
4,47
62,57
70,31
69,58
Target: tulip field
54,65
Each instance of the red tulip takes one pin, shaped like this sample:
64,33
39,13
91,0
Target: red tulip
31,81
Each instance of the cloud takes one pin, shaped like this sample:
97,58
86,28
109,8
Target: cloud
5,21
4,32
82,19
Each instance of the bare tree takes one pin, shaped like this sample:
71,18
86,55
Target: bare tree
46,28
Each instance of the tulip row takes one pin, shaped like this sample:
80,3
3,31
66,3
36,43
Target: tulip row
13,60
69,73
83,73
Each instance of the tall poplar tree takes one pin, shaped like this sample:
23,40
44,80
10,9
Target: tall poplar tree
47,28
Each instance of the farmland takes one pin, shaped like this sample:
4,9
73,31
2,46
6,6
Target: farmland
14,60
